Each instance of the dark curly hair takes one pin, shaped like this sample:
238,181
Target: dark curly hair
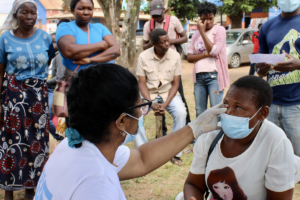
207,8
74,3
154,35
261,90
97,96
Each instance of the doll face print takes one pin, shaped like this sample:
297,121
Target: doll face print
223,190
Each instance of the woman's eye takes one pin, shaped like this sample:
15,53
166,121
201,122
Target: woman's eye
239,108
226,187
216,187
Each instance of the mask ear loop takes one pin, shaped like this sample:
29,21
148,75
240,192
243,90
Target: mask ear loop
255,114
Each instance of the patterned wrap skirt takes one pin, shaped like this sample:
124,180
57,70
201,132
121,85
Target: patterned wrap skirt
24,135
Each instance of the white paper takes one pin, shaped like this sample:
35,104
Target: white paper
267,58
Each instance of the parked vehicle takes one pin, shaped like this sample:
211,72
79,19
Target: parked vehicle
238,46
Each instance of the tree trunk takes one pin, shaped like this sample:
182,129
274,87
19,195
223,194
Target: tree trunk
236,21
127,41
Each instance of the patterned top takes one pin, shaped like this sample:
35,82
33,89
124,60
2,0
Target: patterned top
26,58
175,27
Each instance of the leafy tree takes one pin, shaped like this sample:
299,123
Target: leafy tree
234,9
183,9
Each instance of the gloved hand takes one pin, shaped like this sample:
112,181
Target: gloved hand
207,121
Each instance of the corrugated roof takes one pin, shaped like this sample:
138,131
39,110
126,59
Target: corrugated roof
57,4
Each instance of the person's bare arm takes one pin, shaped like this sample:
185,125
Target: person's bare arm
194,186
2,71
149,156
286,195
109,54
172,92
147,44
202,27
191,58
143,87
182,39
70,50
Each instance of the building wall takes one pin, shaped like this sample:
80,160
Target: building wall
42,13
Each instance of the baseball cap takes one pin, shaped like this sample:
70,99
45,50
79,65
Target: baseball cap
156,7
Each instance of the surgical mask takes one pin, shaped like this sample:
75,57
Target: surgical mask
288,6
130,137
236,127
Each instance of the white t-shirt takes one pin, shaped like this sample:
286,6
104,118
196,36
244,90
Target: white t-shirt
81,173
268,163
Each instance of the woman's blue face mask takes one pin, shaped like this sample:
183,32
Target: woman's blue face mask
236,127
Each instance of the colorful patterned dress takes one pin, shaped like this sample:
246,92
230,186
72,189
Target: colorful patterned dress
24,135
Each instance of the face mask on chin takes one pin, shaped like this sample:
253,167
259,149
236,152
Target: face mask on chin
288,6
236,127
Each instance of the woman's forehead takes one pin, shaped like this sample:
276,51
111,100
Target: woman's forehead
86,3
241,95
26,6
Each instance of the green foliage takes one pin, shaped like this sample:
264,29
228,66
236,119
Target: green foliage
183,9
236,7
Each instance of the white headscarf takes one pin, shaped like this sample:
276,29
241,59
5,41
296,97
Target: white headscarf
10,22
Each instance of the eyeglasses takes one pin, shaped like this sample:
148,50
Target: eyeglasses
145,106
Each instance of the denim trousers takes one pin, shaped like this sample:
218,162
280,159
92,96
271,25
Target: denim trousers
51,125
178,112
287,118
207,86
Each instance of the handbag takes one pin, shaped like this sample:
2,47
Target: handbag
59,106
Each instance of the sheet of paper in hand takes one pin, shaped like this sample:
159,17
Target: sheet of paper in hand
267,58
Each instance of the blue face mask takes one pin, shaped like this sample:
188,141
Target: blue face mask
236,127
288,6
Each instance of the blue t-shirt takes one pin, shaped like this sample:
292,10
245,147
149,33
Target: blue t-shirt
277,35
97,32
26,57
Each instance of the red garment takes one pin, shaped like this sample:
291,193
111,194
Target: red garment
255,41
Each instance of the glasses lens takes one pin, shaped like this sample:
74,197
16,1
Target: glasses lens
145,109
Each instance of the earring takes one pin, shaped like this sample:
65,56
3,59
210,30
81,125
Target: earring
123,133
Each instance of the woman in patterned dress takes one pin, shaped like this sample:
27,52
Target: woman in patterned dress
25,53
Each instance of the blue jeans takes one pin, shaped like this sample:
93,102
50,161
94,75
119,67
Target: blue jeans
287,118
51,125
207,85
178,112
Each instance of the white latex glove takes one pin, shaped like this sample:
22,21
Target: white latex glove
207,121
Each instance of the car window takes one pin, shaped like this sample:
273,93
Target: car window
231,37
139,32
246,38
191,35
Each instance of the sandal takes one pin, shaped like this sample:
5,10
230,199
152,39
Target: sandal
176,161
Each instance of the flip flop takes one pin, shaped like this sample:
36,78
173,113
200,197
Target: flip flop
27,196
176,161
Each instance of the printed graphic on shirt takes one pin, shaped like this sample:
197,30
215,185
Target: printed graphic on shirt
282,78
42,191
223,185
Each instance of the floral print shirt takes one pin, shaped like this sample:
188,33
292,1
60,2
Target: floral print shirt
26,58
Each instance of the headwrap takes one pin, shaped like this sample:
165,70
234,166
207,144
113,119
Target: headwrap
11,23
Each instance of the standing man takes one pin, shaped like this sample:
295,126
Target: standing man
159,70
255,48
176,34
281,35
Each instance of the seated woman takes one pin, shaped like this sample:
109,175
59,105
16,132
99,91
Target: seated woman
253,160
104,107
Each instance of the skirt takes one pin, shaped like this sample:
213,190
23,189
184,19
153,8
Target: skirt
24,135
